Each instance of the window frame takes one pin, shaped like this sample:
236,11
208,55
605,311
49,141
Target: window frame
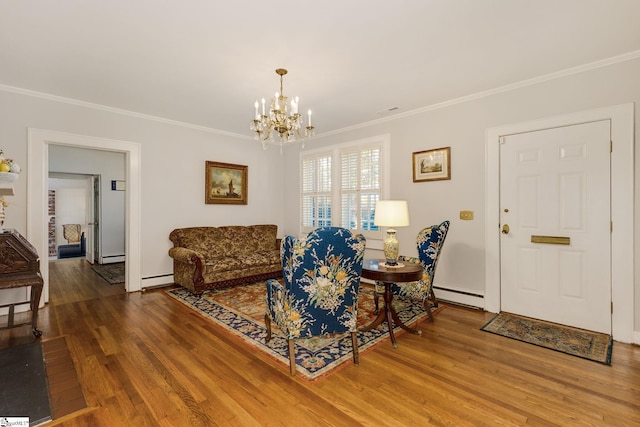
335,151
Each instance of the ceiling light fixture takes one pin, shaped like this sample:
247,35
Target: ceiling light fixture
282,121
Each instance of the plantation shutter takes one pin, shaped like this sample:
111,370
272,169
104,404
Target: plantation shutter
316,191
360,188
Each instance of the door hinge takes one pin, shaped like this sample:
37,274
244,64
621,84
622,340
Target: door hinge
611,307
611,146
611,226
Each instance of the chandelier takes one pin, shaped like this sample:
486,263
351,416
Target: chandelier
281,122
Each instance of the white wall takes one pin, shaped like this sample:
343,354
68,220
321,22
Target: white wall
172,169
463,127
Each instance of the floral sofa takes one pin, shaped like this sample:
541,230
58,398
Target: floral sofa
218,257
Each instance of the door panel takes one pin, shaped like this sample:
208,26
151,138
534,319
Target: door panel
556,183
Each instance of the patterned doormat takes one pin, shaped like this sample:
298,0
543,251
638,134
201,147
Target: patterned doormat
240,311
112,273
566,339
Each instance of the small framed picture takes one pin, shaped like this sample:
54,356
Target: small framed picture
225,183
432,165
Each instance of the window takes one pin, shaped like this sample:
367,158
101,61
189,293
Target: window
356,170
360,187
316,191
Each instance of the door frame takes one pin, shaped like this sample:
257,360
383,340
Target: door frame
38,142
92,239
622,208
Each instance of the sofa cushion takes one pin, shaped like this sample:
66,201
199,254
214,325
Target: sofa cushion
255,259
227,241
261,258
223,264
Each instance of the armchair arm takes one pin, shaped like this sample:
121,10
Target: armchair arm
278,308
275,293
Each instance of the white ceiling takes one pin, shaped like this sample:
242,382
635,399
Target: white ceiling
205,62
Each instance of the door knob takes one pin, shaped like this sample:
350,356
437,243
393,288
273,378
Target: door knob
505,229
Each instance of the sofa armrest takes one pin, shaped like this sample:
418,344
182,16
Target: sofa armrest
191,257
185,255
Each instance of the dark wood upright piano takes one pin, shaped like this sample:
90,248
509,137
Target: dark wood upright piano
20,267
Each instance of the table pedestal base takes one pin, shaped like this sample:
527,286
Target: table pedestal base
390,316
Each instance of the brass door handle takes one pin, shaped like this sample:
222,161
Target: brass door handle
505,229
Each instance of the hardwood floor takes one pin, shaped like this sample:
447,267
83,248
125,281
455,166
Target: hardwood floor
146,360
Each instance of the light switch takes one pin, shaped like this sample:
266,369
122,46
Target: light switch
466,215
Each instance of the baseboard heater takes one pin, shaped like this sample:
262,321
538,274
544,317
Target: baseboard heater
456,291
458,297
110,259
158,281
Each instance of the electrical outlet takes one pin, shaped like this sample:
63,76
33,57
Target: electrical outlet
466,215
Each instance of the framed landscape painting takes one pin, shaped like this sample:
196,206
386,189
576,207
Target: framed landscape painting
225,183
432,165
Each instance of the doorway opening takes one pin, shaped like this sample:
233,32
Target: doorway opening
37,190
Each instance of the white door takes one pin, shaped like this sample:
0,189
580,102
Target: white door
556,225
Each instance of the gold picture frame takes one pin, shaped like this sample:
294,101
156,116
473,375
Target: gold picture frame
432,165
225,183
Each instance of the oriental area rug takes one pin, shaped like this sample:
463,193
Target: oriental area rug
240,311
566,339
112,273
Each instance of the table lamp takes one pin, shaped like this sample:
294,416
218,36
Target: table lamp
391,213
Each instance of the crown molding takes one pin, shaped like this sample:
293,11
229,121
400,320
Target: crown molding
85,104
483,94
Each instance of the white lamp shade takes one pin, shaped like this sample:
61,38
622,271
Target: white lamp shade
391,213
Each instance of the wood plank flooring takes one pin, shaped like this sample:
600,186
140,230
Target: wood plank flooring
146,360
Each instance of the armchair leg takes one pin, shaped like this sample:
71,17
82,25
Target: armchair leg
354,344
292,357
427,306
267,323
432,298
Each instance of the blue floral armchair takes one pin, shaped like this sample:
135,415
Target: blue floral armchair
429,242
320,292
